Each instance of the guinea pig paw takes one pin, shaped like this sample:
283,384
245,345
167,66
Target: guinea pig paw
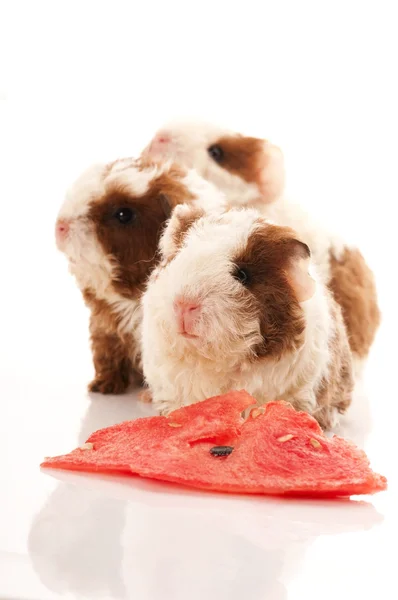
137,379
145,396
111,385
165,407
327,417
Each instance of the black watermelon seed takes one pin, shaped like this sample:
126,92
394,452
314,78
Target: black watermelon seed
221,450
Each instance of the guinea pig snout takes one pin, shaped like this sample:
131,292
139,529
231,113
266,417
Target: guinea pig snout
62,228
159,145
187,313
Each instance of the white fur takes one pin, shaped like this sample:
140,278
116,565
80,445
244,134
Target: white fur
321,241
88,262
87,187
92,268
93,183
130,314
189,144
182,371
134,181
207,196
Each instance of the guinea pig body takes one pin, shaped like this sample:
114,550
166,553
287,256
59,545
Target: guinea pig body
232,307
109,227
251,173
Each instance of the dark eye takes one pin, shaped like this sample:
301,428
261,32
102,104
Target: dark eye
242,274
124,215
216,152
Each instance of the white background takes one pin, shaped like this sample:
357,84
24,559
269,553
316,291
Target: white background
82,81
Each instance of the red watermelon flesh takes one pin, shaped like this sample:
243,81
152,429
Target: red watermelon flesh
277,451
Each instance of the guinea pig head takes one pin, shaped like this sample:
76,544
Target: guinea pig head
111,221
230,285
246,169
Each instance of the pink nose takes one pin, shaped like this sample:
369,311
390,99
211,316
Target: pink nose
187,314
61,229
162,138
159,143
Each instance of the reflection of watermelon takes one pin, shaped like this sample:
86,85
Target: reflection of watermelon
275,451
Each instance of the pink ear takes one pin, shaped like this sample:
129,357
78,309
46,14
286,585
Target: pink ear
271,173
301,281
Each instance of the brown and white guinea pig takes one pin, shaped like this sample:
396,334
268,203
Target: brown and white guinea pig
109,227
250,172
249,169
232,306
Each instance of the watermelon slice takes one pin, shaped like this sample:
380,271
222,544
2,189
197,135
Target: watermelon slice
208,445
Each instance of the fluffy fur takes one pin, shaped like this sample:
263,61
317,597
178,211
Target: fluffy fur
255,335
250,172
112,258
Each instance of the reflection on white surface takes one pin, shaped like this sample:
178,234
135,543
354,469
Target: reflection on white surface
126,537
75,539
75,543
122,538
223,553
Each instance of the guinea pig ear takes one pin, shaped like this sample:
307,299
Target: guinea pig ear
297,272
182,219
271,172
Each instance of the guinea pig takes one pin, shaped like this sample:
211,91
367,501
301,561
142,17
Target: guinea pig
250,172
249,169
232,306
109,227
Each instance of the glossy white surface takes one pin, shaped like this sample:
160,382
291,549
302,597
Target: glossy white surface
89,81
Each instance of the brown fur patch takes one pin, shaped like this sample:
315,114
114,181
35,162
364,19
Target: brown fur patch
255,161
132,247
132,250
336,391
243,156
177,230
185,222
353,286
267,258
117,362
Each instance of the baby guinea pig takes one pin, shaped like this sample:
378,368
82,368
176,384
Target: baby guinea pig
250,172
232,306
109,227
